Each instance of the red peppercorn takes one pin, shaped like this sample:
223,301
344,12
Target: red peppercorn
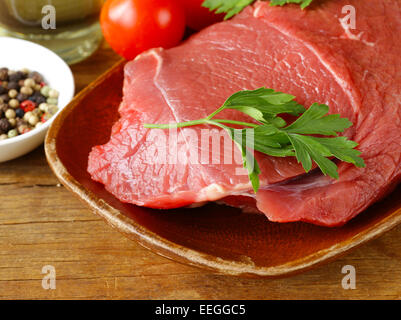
44,118
42,84
28,105
25,130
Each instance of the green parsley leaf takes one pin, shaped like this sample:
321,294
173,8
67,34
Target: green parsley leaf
230,7
308,149
267,101
233,7
303,3
263,105
343,149
316,121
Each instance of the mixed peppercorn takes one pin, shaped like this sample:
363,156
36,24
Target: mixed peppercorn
26,102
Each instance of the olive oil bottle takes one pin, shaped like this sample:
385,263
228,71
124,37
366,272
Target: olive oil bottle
68,27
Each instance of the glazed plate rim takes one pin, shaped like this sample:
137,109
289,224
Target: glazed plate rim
180,253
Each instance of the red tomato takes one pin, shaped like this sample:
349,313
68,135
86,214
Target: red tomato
133,26
199,17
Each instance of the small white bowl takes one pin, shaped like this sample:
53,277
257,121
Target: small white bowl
18,54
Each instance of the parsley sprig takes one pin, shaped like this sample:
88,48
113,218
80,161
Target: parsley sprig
232,7
312,137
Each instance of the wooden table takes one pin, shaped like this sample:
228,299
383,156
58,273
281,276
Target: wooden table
41,223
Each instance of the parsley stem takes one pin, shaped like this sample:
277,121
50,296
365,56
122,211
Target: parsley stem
216,112
198,122
239,123
175,125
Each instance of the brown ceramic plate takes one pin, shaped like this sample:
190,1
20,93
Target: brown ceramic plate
218,238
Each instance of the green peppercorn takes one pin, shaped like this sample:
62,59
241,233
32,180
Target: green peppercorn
44,107
53,93
45,91
12,133
52,109
52,101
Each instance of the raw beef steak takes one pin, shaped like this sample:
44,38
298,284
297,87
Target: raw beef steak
311,54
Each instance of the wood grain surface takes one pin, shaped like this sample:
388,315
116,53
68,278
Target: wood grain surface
41,223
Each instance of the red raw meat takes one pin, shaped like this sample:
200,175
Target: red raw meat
372,55
307,53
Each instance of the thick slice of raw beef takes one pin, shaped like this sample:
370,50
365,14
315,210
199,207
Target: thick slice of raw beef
372,54
311,54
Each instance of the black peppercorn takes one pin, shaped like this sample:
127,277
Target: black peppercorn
17,76
36,94
3,107
5,126
13,85
22,74
21,122
36,76
19,113
5,98
40,99
3,90
3,74
22,97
